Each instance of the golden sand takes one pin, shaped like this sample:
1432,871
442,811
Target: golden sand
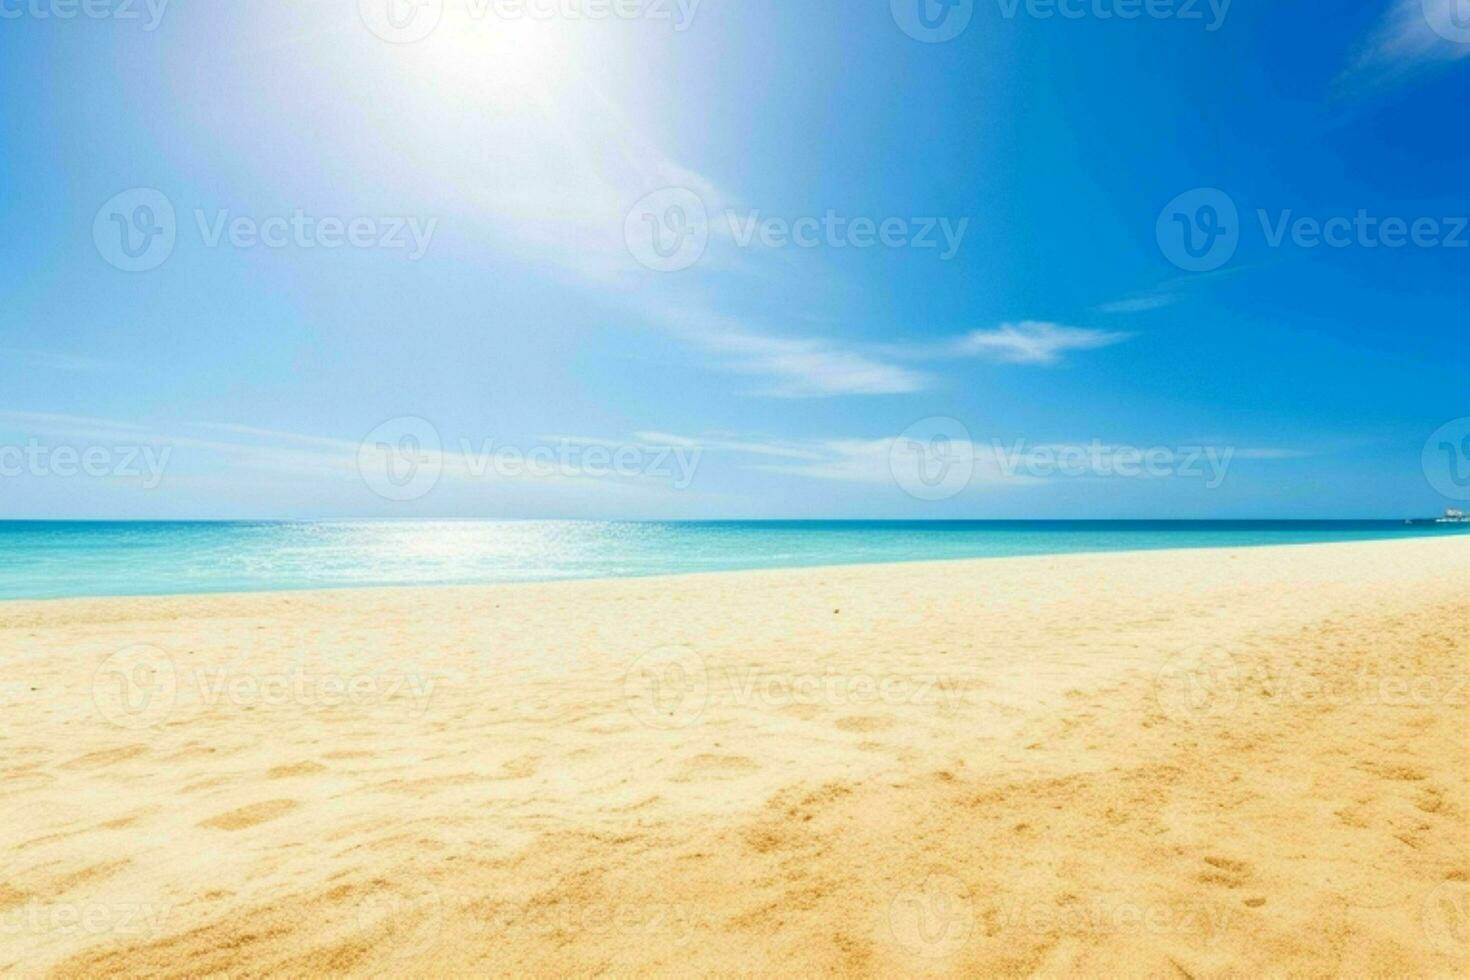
1204,763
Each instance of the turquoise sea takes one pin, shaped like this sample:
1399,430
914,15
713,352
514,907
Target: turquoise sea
60,559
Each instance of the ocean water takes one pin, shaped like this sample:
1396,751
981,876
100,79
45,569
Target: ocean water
62,559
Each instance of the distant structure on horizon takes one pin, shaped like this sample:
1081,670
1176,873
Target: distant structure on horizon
1451,516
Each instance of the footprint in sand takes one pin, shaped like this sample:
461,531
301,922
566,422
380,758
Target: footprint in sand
1226,872
1430,799
249,816
1445,916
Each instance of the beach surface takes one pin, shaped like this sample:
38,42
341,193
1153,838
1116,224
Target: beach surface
1198,763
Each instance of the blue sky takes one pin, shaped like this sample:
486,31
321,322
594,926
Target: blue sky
985,258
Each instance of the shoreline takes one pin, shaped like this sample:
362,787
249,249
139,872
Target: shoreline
411,586
1221,761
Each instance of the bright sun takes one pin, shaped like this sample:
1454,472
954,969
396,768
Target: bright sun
493,55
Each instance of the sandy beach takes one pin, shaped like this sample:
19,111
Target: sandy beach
1199,763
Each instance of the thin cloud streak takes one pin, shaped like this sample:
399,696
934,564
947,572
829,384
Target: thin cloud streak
1030,342
285,453
1139,304
870,460
1033,342
571,216
1413,36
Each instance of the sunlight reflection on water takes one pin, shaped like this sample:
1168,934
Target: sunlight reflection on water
46,560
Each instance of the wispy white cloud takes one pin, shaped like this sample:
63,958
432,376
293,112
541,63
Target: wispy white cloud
815,367
812,368
1139,304
843,460
573,215
227,447
871,461
791,367
808,367
782,448
1176,290
1029,342
254,454
1108,454
1412,36
995,463
564,182
562,194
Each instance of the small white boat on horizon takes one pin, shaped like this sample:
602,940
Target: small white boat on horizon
1451,516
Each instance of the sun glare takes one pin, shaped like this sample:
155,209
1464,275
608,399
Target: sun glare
488,55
